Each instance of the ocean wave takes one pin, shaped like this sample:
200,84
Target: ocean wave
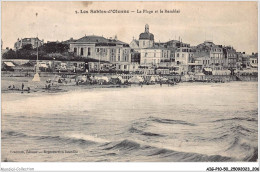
240,130
14,134
124,145
89,138
236,119
170,121
190,157
253,157
135,130
162,154
74,138
222,137
63,139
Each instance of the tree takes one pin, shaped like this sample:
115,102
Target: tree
54,47
27,47
9,55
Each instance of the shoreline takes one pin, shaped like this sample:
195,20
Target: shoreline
38,87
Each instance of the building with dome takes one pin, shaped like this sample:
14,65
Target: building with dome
146,40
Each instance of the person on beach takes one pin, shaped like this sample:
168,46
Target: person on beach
160,83
29,89
22,86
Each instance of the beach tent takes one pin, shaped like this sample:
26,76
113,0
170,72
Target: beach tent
101,79
186,78
82,78
121,79
43,65
117,79
136,79
152,79
104,78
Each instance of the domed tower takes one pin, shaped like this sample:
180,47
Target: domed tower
146,39
146,28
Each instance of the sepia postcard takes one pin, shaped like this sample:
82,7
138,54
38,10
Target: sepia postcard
129,82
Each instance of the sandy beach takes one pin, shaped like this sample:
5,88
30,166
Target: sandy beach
14,85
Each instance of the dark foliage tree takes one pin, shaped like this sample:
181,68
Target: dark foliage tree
9,55
27,47
54,47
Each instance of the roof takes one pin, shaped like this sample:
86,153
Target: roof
29,39
136,41
10,64
146,36
92,39
100,41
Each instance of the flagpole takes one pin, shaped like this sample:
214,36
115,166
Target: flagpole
36,77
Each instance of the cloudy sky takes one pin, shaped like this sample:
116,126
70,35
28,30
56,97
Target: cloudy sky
226,23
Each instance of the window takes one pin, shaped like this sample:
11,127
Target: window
182,55
143,43
177,54
81,51
75,50
154,54
125,66
89,51
97,50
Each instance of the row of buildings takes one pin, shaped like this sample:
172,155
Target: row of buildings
147,56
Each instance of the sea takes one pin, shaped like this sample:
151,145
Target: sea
188,122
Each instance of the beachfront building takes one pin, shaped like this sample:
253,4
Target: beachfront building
20,43
184,58
154,56
212,57
254,60
150,56
230,56
99,48
217,57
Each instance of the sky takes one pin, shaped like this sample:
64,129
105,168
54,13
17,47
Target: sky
224,23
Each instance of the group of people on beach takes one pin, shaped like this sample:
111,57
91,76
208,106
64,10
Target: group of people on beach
12,87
